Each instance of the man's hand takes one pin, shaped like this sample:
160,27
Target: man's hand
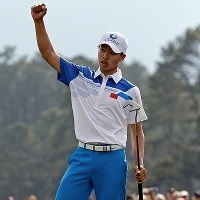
141,174
38,12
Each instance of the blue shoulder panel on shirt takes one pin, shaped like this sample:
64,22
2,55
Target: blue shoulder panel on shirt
122,85
70,71
98,79
87,73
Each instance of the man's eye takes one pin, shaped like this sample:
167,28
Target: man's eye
112,53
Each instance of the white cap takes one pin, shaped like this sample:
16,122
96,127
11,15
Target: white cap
116,41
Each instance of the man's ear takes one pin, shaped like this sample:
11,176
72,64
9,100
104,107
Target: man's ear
123,56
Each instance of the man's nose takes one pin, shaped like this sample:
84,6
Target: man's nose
105,55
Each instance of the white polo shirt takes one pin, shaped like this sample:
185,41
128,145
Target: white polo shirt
98,103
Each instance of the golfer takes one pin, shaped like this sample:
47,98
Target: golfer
102,108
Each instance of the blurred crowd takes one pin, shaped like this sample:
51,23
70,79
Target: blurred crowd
30,197
151,193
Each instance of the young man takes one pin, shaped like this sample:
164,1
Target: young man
102,103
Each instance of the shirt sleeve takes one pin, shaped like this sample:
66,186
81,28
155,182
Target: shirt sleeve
68,71
134,108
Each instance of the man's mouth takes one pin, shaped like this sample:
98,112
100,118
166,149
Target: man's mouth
104,63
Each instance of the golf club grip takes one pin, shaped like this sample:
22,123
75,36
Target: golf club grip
140,192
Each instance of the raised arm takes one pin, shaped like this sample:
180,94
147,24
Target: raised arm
44,44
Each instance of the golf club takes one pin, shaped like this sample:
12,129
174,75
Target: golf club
135,107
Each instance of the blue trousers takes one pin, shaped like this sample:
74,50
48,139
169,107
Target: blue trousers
105,172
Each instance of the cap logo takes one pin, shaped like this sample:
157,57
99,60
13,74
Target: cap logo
113,36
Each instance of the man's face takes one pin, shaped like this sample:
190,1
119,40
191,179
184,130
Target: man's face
108,59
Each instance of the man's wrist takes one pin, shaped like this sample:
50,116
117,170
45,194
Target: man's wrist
141,163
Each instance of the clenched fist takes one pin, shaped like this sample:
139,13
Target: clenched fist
38,12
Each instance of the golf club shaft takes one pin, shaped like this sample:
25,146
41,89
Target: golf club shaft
140,190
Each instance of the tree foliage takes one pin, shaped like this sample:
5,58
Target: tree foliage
174,101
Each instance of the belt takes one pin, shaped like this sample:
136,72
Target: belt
99,147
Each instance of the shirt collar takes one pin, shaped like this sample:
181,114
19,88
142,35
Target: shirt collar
117,76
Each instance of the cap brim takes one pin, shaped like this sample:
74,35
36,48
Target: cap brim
112,46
